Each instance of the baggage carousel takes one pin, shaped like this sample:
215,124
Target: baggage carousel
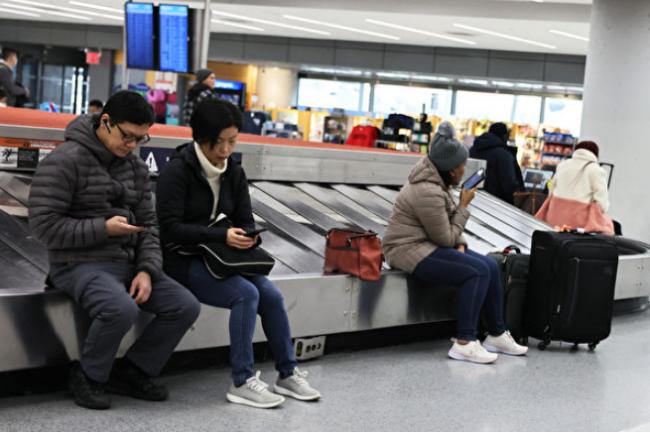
298,191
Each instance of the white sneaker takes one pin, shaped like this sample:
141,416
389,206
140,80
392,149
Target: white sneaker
254,393
296,386
472,352
505,344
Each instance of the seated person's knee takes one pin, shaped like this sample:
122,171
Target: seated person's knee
248,292
122,312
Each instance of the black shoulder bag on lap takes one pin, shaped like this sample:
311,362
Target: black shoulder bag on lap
224,261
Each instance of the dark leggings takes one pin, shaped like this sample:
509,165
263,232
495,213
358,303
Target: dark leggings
477,277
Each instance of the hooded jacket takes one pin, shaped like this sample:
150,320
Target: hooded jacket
184,201
578,195
79,186
503,176
581,179
425,217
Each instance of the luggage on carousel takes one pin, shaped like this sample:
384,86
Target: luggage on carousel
571,285
364,136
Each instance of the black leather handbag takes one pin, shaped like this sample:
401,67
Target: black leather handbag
224,261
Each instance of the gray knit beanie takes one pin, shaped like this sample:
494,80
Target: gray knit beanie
447,153
202,74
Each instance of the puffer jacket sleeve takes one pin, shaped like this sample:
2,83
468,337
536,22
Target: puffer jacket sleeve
148,255
50,198
171,191
442,228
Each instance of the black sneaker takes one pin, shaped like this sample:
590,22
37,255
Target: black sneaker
86,392
127,379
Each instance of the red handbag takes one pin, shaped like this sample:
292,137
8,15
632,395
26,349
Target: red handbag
353,252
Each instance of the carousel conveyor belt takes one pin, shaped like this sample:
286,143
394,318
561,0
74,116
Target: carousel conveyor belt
297,216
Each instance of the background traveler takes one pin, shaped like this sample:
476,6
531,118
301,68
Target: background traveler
8,65
202,90
578,193
95,106
504,176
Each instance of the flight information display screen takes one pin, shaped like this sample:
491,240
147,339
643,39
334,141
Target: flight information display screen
174,47
139,35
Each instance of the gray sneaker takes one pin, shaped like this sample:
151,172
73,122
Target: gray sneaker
296,386
254,393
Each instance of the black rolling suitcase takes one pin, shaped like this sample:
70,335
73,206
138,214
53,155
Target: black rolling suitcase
514,268
571,288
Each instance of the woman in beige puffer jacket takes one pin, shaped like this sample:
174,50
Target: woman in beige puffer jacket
425,239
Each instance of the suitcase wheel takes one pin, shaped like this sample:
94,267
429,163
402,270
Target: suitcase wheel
592,346
523,341
544,343
575,347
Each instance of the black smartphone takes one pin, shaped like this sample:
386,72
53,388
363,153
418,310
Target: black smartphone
474,179
253,233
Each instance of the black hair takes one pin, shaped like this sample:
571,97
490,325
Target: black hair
3,94
446,177
128,106
211,117
7,52
96,103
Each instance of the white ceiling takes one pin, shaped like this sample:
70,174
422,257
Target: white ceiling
513,25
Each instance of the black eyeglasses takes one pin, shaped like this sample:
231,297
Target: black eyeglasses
129,138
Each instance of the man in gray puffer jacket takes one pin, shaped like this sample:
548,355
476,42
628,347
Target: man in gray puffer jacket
91,204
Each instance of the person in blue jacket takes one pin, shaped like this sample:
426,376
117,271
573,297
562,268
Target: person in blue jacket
503,172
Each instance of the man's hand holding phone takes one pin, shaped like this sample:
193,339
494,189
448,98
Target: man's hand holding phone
119,226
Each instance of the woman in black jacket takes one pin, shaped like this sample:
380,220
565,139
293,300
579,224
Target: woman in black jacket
201,184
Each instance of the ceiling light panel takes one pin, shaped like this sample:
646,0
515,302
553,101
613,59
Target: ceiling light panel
505,36
240,26
569,35
7,8
420,32
339,27
97,7
70,10
270,23
48,12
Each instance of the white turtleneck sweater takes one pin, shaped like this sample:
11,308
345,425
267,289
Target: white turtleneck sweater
213,176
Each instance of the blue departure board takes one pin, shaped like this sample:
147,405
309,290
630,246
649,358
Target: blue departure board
139,36
173,46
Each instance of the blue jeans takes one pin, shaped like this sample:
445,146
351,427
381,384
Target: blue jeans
477,277
245,298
